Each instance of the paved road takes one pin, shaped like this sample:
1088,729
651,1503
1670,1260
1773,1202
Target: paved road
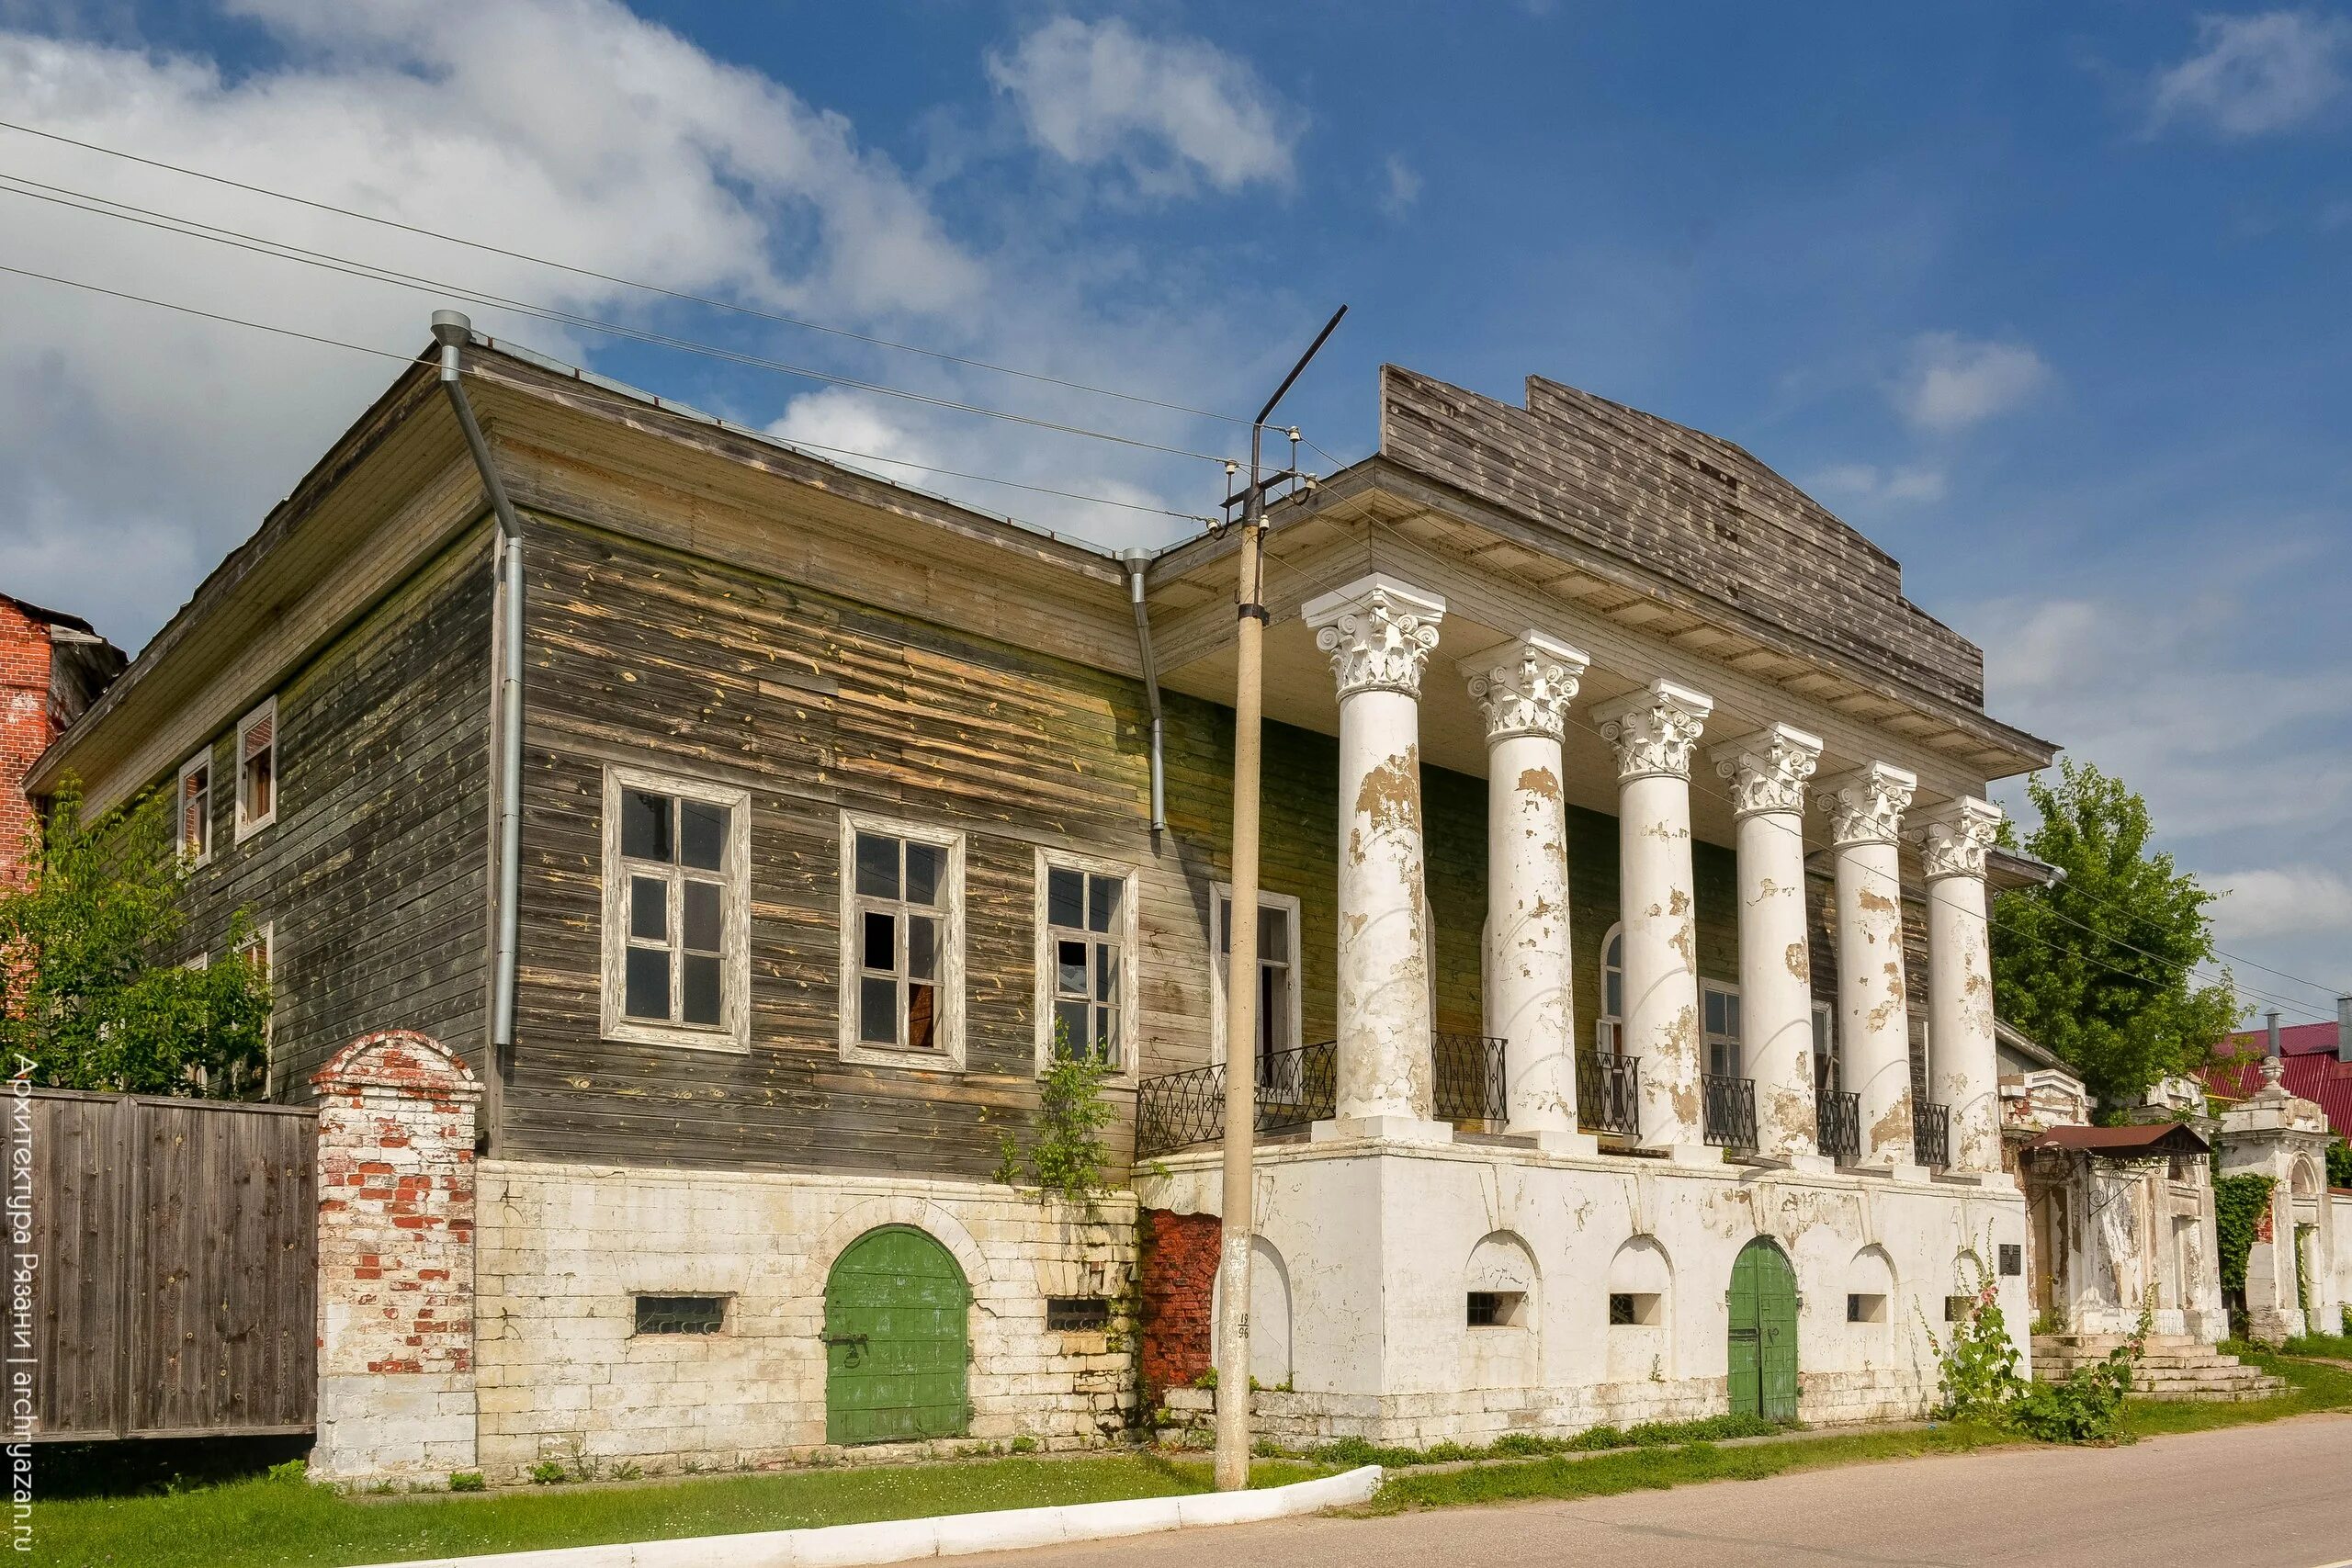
2278,1495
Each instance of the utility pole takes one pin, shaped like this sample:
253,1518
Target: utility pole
1241,964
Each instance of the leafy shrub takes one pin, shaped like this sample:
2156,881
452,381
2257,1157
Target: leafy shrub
547,1472
1068,1153
466,1480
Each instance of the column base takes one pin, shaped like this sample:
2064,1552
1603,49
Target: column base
1385,1129
1816,1165
1556,1142
1695,1154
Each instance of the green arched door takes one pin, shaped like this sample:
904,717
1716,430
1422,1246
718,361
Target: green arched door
897,1315
1763,1333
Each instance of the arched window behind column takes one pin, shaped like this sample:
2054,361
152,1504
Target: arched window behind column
1608,1034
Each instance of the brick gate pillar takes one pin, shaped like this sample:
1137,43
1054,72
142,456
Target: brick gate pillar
396,1261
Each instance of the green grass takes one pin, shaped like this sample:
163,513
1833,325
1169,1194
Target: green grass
1607,1475
1353,1452
284,1524
2338,1346
2312,1385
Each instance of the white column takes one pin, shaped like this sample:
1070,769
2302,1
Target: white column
1379,633
1963,1067
1768,772
1653,730
1865,810
1524,687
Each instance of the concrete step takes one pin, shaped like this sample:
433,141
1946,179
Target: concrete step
2172,1367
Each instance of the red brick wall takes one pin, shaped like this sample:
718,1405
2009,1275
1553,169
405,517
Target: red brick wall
1178,1288
396,1260
25,729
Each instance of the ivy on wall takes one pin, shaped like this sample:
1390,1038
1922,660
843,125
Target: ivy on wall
2239,1203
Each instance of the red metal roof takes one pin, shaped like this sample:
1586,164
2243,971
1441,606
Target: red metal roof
2139,1140
2307,1052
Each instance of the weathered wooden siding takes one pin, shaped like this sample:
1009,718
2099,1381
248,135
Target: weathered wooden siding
1694,509
173,1291
373,877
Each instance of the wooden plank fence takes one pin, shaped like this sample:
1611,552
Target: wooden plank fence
175,1284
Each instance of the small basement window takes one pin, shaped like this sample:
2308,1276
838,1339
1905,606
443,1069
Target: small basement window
1865,1309
680,1314
1496,1309
1076,1315
2012,1258
1635,1309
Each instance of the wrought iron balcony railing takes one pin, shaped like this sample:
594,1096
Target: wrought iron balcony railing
1838,1124
1930,1132
1466,1079
1295,1087
1609,1094
1729,1105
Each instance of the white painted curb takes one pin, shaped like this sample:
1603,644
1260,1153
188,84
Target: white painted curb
954,1535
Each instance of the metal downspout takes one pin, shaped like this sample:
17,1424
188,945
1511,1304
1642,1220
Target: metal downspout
1137,562
452,331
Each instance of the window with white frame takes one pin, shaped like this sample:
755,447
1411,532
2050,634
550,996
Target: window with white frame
903,902
258,947
677,911
1825,1049
1278,1015
257,756
1609,1030
194,833
1719,1021
1086,917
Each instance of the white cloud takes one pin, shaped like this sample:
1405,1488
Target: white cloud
1167,110
1402,186
1952,382
2297,901
1866,482
2251,75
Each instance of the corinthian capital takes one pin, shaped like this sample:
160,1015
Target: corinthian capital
1768,769
1524,686
1866,805
1954,837
1378,632
1655,729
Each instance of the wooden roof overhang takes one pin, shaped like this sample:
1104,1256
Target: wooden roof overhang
1379,506
2147,1140
400,486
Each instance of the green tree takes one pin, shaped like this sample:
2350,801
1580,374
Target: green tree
2096,966
90,999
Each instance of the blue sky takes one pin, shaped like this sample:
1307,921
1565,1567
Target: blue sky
2049,301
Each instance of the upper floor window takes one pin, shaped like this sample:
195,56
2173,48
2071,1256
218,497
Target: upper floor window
194,833
1609,1030
677,915
258,770
1278,1017
1719,1004
1825,1049
259,948
903,902
1086,938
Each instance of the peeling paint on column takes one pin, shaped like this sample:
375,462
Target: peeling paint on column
1865,809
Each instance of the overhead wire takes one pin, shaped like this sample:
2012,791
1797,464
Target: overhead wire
104,207
410,359
685,296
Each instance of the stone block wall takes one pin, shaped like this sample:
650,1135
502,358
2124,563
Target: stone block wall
1176,1291
396,1261
565,1249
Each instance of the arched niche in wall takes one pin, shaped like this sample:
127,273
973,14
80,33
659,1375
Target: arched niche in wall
1638,1311
1868,1304
1502,1343
1270,1314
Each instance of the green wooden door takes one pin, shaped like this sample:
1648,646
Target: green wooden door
897,1317
1763,1333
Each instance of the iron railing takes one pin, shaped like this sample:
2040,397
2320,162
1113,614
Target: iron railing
1466,1079
1930,1132
1838,1123
1729,1106
1609,1094
1295,1087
